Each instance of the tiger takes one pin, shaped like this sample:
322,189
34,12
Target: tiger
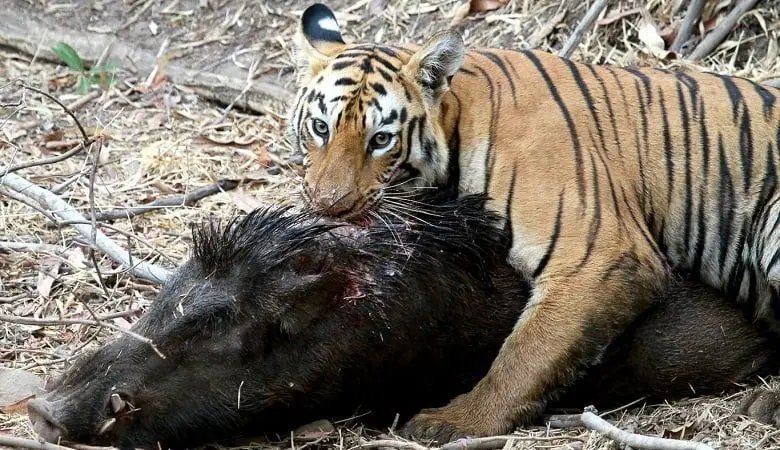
609,181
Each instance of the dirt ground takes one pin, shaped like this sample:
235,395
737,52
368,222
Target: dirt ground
163,139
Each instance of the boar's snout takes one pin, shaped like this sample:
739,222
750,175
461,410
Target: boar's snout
43,421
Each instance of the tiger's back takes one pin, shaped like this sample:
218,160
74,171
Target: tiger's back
692,156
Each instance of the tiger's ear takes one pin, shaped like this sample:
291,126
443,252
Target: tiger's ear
318,40
436,62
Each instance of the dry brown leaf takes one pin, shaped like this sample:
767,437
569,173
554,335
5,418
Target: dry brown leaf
64,81
165,189
121,323
650,36
263,157
55,135
478,6
244,201
16,388
47,274
460,13
474,7
314,430
76,257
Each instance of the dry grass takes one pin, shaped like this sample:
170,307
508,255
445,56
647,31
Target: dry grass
165,140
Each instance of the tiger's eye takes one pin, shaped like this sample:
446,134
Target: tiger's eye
320,127
380,140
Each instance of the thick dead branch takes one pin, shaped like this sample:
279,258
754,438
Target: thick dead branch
692,16
591,421
60,208
716,36
584,25
177,200
22,30
16,442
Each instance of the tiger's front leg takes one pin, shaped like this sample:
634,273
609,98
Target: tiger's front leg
574,313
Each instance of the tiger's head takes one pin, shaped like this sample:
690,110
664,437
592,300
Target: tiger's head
366,117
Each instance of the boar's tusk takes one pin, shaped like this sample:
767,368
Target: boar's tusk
117,404
107,425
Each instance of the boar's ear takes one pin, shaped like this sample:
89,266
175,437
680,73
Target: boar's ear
307,297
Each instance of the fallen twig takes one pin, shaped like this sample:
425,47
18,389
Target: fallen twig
41,162
167,202
16,442
591,421
579,31
716,36
60,208
692,15
90,322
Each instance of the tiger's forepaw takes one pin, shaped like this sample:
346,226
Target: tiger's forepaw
453,422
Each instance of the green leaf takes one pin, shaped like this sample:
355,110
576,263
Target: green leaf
83,86
69,56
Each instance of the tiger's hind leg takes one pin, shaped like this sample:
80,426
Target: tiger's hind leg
574,314
769,243
765,259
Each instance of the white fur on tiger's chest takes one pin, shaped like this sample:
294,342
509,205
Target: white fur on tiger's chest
473,166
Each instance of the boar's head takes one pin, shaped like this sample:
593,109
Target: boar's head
278,315
242,290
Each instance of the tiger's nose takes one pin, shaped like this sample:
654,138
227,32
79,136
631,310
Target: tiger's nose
328,206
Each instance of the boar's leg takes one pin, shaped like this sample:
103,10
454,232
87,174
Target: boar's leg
692,342
762,405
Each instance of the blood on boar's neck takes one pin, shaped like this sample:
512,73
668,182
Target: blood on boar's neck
278,319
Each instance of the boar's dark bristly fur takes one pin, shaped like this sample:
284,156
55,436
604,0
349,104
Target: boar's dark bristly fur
278,318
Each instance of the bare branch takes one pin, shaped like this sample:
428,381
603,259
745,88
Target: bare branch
716,36
63,210
692,16
591,421
177,200
584,25
94,323
41,162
